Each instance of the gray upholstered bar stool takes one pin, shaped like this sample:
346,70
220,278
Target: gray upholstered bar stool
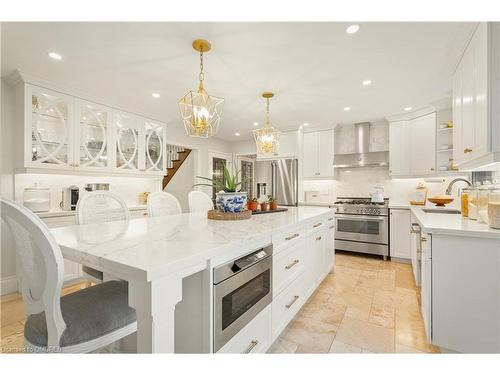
100,207
80,322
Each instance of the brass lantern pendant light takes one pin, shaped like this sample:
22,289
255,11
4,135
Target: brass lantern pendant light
201,113
267,138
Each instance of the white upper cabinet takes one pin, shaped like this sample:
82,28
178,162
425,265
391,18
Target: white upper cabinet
475,87
154,146
412,146
64,133
399,148
318,154
423,145
49,136
93,135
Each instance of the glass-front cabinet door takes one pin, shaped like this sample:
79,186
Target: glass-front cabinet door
128,142
154,147
92,135
51,135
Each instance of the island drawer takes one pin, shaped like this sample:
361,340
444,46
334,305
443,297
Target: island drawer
287,266
290,236
288,303
319,223
255,337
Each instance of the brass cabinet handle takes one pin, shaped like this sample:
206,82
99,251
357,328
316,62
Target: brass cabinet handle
330,218
292,237
317,173
253,344
317,225
295,298
432,169
467,150
296,261
423,239
332,226
318,238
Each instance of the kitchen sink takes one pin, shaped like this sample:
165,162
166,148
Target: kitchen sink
441,211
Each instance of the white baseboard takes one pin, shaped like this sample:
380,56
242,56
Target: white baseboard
8,285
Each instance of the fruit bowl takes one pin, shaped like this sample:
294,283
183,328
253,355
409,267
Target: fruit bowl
441,200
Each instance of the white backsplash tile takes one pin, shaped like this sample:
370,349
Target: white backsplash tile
361,182
127,188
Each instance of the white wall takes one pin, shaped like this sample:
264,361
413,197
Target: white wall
182,182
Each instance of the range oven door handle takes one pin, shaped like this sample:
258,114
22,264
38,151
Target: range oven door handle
361,218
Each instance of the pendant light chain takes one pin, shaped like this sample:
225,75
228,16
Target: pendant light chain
267,113
201,77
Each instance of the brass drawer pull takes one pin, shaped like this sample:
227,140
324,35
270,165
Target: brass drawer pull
317,225
295,298
467,150
332,226
423,239
296,261
292,237
253,344
330,218
318,238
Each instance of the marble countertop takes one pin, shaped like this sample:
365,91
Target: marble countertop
61,213
170,243
452,224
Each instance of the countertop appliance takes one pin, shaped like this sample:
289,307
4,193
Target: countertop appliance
242,289
285,181
37,198
362,226
96,186
70,197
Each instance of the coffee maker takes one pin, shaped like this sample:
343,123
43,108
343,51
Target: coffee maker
70,197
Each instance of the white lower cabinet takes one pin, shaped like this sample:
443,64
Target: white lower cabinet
288,303
255,337
426,284
400,246
288,265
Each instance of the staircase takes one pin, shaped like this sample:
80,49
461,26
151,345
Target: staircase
175,157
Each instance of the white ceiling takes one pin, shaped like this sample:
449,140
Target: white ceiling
315,69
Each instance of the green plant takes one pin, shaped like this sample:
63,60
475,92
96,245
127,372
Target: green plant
229,185
253,199
271,199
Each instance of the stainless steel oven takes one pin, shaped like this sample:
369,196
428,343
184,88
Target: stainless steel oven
362,226
242,288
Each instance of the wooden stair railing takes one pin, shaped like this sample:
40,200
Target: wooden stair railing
176,155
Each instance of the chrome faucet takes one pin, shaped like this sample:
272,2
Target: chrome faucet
450,186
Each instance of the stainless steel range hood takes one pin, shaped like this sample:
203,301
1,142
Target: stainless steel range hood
362,157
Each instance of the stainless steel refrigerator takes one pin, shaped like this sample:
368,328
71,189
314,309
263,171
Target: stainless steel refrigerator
285,181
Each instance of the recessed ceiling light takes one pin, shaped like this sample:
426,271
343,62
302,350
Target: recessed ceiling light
255,124
352,29
408,108
347,109
55,56
155,95
305,124
237,134
367,82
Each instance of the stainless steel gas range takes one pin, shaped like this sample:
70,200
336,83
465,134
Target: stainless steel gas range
362,226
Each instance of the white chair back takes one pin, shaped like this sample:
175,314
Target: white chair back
101,207
162,203
40,266
199,201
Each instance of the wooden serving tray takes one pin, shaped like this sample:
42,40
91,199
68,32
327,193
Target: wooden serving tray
219,215
280,209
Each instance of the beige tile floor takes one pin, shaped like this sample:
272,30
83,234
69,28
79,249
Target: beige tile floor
366,305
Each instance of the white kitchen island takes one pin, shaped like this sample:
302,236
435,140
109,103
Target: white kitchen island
170,259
